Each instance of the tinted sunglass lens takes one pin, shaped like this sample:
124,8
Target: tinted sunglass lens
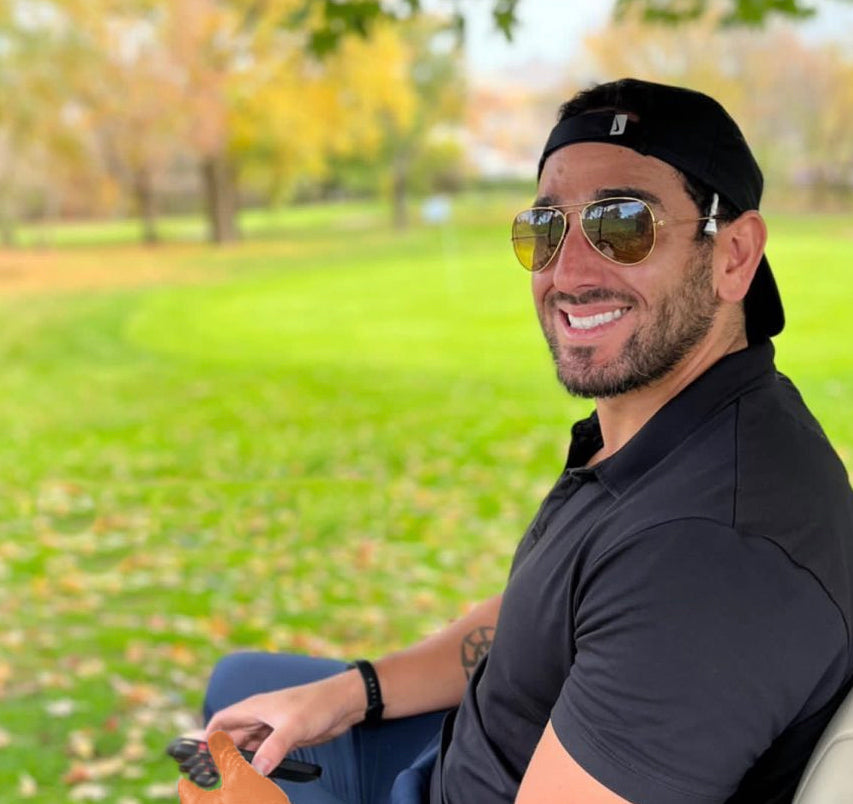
536,235
622,230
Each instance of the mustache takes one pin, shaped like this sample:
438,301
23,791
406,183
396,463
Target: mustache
592,295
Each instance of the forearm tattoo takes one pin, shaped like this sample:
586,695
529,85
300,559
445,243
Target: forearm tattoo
475,646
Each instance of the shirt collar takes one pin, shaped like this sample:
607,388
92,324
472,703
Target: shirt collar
725,381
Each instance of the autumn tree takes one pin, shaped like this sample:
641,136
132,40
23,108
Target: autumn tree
294,114
231,84
36,141
273,90
793,100
413,150
255,98
93,91
124,94
436,73
14,123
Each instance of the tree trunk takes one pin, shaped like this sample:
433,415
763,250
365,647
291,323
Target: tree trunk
146,207
220,189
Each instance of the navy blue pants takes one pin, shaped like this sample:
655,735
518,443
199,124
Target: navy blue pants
387,764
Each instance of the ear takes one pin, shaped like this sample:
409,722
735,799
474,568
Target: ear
737,252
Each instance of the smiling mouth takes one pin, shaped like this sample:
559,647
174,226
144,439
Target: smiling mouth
597,320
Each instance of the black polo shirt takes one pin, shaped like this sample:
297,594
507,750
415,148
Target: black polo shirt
681,611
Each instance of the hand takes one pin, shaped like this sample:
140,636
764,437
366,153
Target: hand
273,723
241,784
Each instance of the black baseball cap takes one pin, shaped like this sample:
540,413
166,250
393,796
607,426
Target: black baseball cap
693,133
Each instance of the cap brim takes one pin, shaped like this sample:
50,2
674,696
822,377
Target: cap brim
765,316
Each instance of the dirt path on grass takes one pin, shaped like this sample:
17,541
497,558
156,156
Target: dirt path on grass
36,271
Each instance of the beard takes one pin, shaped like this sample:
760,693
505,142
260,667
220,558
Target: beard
682,319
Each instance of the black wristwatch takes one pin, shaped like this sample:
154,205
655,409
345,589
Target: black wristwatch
373,713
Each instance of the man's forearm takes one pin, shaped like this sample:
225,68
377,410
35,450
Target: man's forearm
433,674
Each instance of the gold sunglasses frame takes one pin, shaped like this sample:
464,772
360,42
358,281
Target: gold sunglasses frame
583,207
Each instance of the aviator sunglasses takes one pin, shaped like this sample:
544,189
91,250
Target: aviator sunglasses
623,230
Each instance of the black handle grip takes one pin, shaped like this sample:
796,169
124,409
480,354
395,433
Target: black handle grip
292,770
193,757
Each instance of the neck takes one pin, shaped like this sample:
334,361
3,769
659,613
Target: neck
621,417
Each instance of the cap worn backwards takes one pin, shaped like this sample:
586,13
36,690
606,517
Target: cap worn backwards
693,133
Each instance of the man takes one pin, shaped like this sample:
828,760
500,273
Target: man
676,626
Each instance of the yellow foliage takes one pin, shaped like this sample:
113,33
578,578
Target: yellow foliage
294,111
134,86
374,79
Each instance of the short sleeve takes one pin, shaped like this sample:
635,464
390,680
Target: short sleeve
695,648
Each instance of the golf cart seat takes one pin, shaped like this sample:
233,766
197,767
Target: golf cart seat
828,778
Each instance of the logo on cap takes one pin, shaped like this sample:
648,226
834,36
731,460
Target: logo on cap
619,123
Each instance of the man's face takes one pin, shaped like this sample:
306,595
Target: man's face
611,328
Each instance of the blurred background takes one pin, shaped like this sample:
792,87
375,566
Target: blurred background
270,376
138,109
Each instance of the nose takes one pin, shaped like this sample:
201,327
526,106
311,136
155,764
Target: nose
576,264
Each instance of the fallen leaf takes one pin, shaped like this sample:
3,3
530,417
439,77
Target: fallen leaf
89,792
185,721
97,769
111,724
135,652
62,707
365,553
27,786
219,627
134,751
162,791
13,638
76,775
90,667
182,655
81,745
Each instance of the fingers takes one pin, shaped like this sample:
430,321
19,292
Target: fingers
244,721
258,724
270,752
245,738
274,723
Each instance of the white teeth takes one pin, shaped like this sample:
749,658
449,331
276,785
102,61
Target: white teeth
590,321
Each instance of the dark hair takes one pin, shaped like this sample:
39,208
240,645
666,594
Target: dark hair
609,98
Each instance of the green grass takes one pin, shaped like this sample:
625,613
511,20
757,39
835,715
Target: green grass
332,445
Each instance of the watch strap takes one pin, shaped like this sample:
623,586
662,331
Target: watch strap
373,712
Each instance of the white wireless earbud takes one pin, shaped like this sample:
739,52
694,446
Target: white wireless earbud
711,224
